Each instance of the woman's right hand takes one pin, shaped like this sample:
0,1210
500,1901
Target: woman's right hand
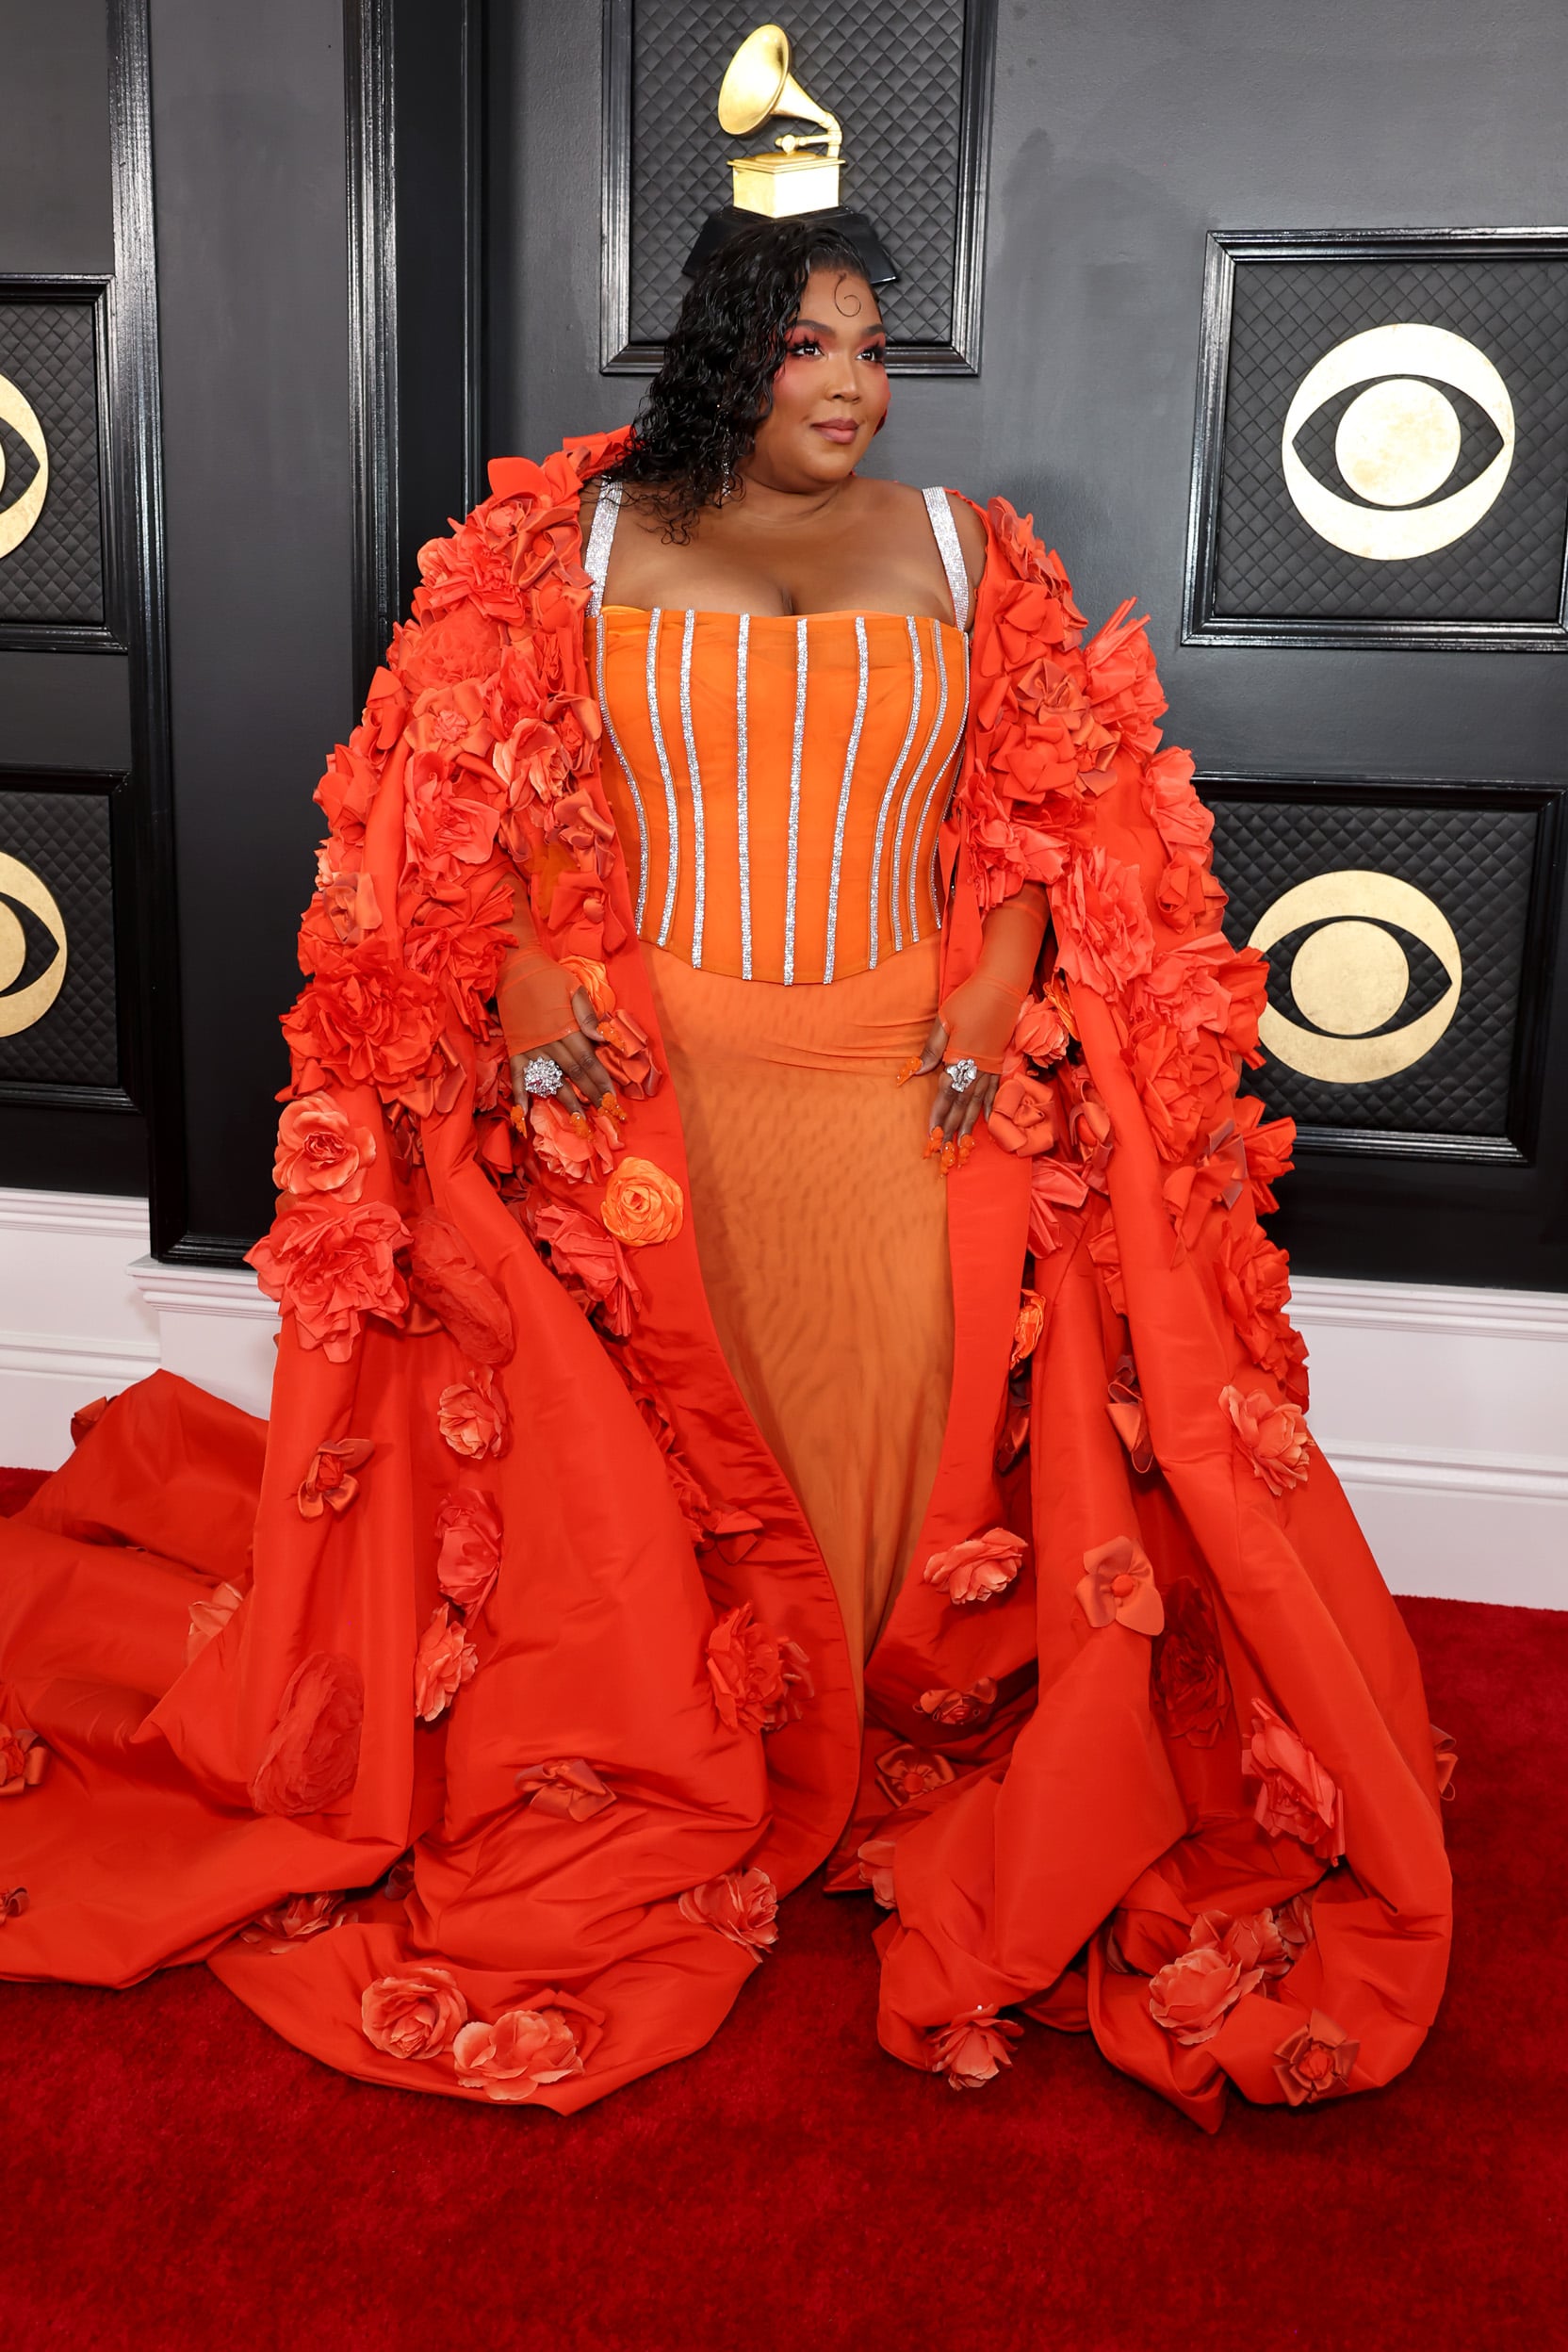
585,1084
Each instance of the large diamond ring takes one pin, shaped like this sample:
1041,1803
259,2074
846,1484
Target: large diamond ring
542,1075
961,1075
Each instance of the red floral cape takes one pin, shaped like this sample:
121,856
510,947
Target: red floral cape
501,1720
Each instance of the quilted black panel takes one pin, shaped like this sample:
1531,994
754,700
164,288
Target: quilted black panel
892,72
1476,864
1268,564
64,839
56,574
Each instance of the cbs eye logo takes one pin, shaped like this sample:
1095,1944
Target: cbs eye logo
32,948
17,520
1350,975
1424,448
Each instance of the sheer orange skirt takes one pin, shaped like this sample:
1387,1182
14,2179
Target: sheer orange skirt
823,1237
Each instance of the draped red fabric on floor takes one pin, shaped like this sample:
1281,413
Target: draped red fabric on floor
511,1584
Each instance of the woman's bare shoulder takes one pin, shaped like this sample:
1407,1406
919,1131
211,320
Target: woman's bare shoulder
971,529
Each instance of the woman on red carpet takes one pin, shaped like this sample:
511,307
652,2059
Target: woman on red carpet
779,1361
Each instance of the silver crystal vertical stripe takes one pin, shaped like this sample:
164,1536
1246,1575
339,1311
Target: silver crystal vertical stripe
912,787
844,789
625,768
918,675
926,811
699,834
671,815
743,811
794,801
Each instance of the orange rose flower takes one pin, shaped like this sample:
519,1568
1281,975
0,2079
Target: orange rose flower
469,1530
973,2049
1191,1695
642,1205
581,1150
589,1261
330,1268
14,1762
416,2015
319,1149
1273,1437
1314,2062
747,1670
1103,927
471,1414
592,979
740,1906
906,1771
1294,1922
1255,1287
1296,1797
446,1659
312,1758
1027,1328
364,1019
1192,1994
959,1711
978,1569
1253,1940
328,1484
1119,1584
296,1922
1180,817
525,2049
627,1053
1022,1118
568,1787
14,1902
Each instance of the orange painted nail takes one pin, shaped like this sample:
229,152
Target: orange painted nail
933,1143
909,1071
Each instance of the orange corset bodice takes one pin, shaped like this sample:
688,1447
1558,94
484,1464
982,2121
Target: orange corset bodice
778,782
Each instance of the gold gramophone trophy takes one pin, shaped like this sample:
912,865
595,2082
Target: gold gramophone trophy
789,178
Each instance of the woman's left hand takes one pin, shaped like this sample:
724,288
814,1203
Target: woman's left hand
954,1116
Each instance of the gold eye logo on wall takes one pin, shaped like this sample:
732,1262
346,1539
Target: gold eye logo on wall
1350,976
20,1007
1398,442
17,520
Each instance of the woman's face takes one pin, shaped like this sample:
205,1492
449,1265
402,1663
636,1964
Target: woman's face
832,392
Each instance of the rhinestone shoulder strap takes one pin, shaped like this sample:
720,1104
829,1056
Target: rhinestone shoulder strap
601,530
945,533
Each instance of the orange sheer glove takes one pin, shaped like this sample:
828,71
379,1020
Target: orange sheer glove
541,1012
976,1021
533,995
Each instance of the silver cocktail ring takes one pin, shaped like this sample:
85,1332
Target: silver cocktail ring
542,1075
961,1075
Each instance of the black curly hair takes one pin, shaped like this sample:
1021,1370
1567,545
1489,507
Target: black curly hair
715,387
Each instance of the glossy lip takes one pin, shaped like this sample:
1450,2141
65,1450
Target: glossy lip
835,430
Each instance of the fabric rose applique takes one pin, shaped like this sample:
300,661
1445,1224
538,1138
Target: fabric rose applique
330,1267
979,1569
759,1678
1118,1585
471,1413
1315,2060
24,1760
643,1205
1191,1695
524,2049
960,1710
906,1771
329,1484
1273,1437
469,1530
416,2015
973,2049
312,1758
567,1787
740,1905
296,1922
321,1150
1192,1994
1296,1797
446,1659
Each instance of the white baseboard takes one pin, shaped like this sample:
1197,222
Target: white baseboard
1444,1409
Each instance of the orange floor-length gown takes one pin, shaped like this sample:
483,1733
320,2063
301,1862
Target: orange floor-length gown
644,1519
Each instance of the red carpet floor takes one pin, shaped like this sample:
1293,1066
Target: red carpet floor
172,2176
